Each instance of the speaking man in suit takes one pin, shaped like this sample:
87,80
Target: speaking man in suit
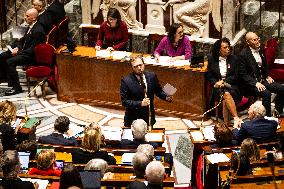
137,92
56,10
258,128
253,71
22,51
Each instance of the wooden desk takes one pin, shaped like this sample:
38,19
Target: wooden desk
83,78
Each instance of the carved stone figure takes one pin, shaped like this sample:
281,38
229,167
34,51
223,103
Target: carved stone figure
125,7
193,15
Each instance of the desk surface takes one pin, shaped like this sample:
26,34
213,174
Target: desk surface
84,78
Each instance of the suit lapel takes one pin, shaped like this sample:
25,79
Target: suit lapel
252,60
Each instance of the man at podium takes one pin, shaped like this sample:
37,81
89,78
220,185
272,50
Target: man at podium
137,91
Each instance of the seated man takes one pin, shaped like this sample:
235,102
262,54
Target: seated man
59,136
139,162
22,52
258,128
139,130
154,174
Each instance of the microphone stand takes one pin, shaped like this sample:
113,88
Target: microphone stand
28,95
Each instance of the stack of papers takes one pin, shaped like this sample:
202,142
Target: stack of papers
127,134
217,157
166,61
112,133
155,137
103,53
208,133
42,183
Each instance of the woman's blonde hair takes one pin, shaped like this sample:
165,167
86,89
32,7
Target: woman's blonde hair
45,159
92,138
7,111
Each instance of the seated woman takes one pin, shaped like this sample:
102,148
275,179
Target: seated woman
46,165
10,164
139,130
113,33
60,135
90,148
249,152
7,116
175,44
222,75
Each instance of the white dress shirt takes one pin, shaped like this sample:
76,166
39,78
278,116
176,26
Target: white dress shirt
256,56
223,66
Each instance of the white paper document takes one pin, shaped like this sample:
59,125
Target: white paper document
208,133
118,55
127,134
112,133
197,135
126,158
42,183
169,89
155,137
103,53
279,61
217,157
76,130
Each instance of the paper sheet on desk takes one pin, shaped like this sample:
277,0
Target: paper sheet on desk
76,130
154,137
112,133
217,157
103,53
208,133
169,89
279,61
273,119
42,183
126,158
197,135
127,134
118,55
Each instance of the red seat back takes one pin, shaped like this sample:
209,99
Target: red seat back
44,54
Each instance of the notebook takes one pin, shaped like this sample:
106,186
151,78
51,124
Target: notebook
91,179
31,122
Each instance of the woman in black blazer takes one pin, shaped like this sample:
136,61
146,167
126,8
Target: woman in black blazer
90,148
222,75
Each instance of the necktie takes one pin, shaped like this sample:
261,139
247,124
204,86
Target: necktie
142,83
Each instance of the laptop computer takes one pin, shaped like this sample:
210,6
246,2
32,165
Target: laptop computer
91,179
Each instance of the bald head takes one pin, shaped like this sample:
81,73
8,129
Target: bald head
155,172
31,16
252,40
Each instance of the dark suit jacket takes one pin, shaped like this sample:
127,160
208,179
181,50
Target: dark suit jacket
45,19
141,185
132,94
17,183
7,136
261,130
58,139
249,72
57,12
125,143
82,157
27,43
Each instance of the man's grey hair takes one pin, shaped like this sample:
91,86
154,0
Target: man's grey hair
258,109
146,149
139,162
155,172
139,129
97,164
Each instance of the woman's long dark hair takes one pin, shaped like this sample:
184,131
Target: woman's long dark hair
217,46
114,13
70,176
172,31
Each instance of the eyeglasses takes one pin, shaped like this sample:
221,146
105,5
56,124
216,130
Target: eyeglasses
255,39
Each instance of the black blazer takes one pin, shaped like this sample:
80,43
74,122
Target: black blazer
57,12
80,156
214,75
58,139
261,130
27,43
45,19
249,72
7,136
132,94
17,183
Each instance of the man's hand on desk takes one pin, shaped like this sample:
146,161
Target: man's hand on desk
145,102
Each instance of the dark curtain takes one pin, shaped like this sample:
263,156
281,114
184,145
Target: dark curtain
3,21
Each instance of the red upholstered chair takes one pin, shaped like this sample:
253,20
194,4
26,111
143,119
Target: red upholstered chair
51,37
276,71
44,68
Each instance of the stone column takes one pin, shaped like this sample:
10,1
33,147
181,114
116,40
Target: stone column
228,28
86,11
155,16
